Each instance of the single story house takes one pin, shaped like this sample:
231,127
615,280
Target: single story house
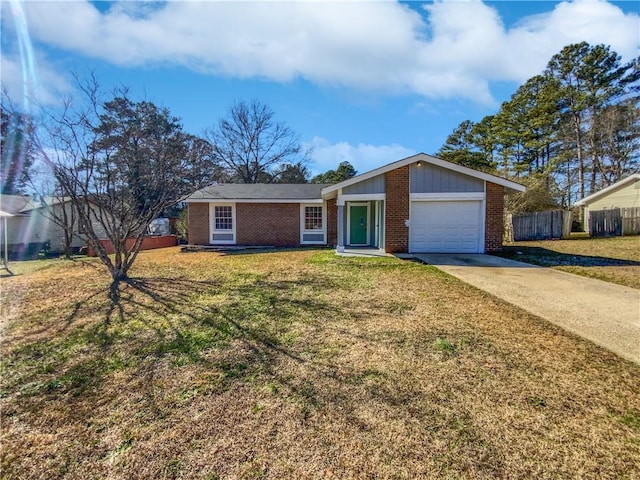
417,204
32,224
624,193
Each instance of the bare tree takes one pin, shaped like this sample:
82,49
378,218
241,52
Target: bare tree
120,163
252,146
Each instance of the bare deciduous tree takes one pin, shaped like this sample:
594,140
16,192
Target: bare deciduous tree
121,163
252,146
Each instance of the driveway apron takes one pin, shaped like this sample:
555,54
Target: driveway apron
605,313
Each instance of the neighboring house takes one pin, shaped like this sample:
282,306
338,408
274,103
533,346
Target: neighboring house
32,224
624,193
418,204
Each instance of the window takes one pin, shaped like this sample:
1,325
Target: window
222,223
313,218
223,218
313,224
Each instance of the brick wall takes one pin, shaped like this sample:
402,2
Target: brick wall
494,220
198,224
272,224
332,222
397,210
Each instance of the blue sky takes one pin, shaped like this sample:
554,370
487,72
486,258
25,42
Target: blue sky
364,81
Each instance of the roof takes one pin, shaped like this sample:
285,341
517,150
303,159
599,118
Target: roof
16,203
22,204
279,192
423,157
605,191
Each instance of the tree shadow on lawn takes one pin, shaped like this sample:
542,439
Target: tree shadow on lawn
175,322
312,383
550,258
254,332
238,334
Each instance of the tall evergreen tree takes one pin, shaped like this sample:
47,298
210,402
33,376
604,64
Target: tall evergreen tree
292,173
461,148
344,171
485,140
590,78
575,128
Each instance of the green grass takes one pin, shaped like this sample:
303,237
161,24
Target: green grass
299,364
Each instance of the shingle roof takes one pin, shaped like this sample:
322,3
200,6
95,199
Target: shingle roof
259,191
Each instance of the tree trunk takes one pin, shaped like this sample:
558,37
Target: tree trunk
579,155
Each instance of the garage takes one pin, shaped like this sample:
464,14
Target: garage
446,226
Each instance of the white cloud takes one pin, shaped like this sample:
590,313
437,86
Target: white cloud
452,49
26,76
31,84
364,157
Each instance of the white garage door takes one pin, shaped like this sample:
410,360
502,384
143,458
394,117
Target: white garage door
446,227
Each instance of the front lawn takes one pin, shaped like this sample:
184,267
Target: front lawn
299,364
613,259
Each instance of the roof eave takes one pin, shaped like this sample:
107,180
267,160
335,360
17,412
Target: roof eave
512,187
595,196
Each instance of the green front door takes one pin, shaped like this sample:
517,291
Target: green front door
358,224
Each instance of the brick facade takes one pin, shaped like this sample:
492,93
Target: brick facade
278,224
272,224
494,219
198,222
397,210
332,222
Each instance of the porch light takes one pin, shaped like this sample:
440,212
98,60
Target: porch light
419,163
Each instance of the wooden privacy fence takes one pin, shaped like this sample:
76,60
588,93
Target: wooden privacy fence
148,243
614,222
539,225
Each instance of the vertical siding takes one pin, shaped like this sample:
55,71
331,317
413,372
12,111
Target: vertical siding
429,178
372,185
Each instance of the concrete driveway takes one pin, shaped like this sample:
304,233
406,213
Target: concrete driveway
605,313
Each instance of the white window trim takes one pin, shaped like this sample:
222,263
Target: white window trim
303,231
360,197
357,204
212,223
447,196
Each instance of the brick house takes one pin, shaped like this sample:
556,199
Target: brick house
417,204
